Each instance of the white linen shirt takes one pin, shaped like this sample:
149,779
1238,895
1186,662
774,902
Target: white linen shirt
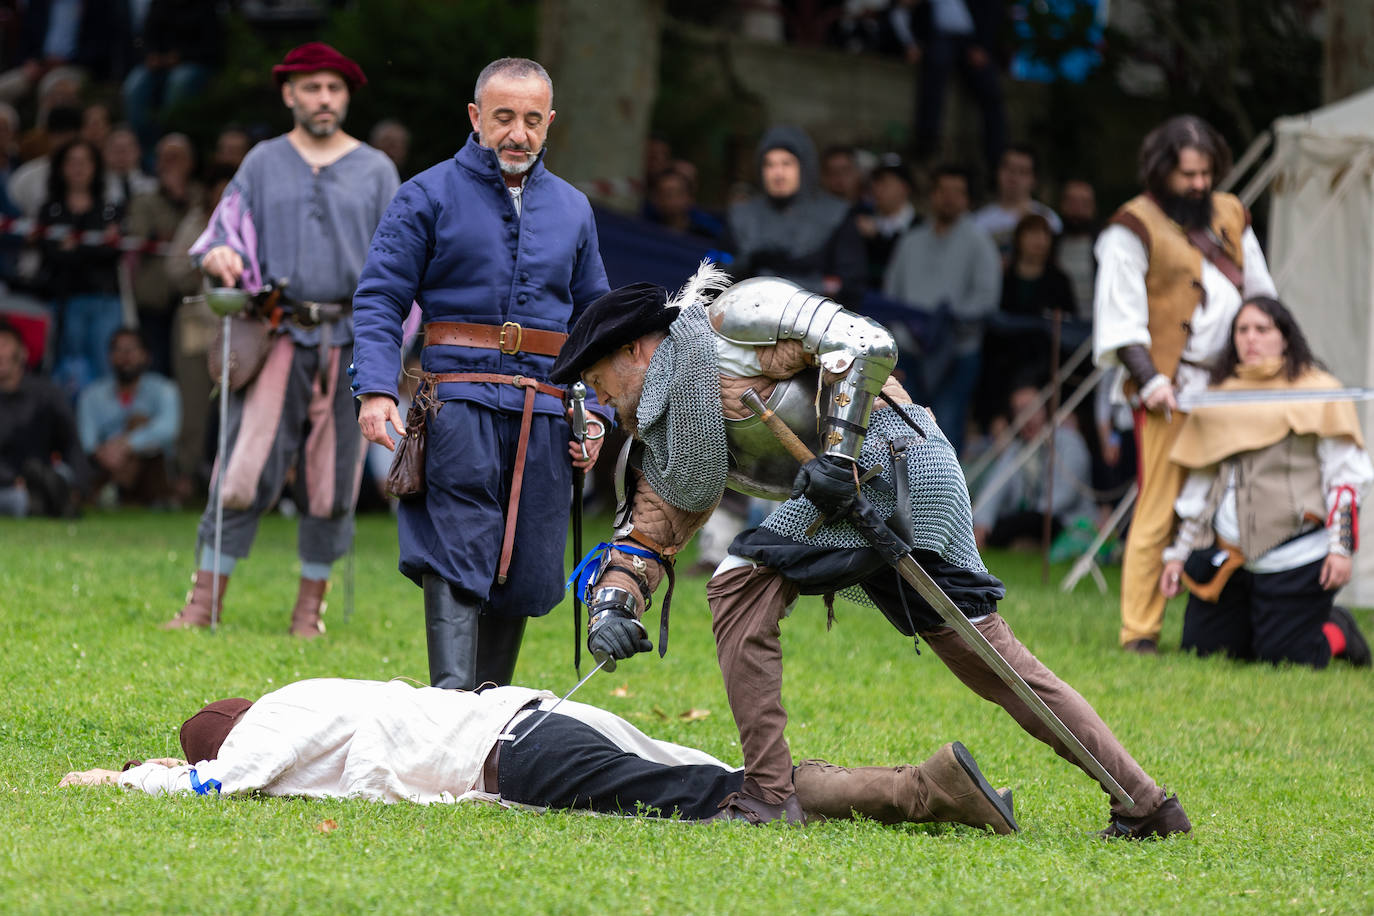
1121,308
379,740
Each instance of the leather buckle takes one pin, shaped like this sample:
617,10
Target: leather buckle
510,326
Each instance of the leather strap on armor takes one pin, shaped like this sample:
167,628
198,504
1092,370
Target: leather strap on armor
665,560
508,338
531,386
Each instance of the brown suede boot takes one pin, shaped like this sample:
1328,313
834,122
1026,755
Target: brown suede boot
739,806
947,788
305,616
197,612
1165,821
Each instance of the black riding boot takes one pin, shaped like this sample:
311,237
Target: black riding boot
451,634
498,646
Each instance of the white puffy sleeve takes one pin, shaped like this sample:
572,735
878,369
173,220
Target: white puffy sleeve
1191,509
1121,308
1346,474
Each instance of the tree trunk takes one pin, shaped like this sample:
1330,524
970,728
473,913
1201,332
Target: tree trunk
1349,57
603,58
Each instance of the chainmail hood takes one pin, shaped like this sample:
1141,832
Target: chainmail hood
680,419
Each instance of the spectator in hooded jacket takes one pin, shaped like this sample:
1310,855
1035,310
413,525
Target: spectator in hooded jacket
793,229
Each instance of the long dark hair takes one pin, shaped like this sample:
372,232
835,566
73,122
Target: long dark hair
1160,150
57,182
1297,355
1028,223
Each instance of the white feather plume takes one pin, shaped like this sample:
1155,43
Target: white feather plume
709,278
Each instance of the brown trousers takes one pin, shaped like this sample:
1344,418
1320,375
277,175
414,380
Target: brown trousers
746,607
1152,527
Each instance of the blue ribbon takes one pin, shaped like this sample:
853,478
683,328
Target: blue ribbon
588,566
203,788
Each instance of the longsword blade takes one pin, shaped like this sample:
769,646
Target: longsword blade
935,596
221,466
1196,399
545,714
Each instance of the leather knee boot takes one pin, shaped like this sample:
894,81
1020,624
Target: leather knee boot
947,788
451,635
498,646
309,608
197,611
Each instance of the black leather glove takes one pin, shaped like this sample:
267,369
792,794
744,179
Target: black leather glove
615,633
830,484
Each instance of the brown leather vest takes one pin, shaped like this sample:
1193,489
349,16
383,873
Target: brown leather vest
1173,281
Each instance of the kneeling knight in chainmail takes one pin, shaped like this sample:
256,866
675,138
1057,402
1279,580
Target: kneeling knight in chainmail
681,373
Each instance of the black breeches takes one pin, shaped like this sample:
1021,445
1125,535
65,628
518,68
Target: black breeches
566,763
1271,617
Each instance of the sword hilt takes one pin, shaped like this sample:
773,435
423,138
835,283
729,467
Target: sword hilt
577,401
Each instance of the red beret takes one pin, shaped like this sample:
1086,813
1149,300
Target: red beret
315,56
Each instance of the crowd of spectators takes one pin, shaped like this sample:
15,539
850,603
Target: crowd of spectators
117,199
110,402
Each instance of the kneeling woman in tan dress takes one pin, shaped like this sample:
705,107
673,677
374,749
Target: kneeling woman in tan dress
1269,514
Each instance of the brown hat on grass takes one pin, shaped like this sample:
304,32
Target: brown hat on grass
203,733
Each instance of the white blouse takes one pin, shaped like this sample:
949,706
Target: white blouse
1121,309
1343,463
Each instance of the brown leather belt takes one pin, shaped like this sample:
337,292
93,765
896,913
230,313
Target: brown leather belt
508,338
313,314
531,386
491,772
491,767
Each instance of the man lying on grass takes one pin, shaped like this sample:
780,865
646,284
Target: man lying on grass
388,741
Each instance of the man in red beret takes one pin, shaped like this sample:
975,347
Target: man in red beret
301,211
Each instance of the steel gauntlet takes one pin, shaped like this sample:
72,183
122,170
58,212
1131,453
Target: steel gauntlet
613,627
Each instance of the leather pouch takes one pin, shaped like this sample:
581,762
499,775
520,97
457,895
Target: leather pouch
250,340
406,478
1206,571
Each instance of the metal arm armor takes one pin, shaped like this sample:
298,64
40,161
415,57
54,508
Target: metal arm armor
765,310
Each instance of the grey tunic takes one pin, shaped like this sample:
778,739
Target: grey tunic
310,227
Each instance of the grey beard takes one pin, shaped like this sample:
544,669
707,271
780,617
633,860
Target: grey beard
515,168
321,132
628,420
520,169
627,414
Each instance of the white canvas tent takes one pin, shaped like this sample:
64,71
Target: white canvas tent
1321,253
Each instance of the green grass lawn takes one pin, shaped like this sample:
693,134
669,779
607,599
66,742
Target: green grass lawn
1274,765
